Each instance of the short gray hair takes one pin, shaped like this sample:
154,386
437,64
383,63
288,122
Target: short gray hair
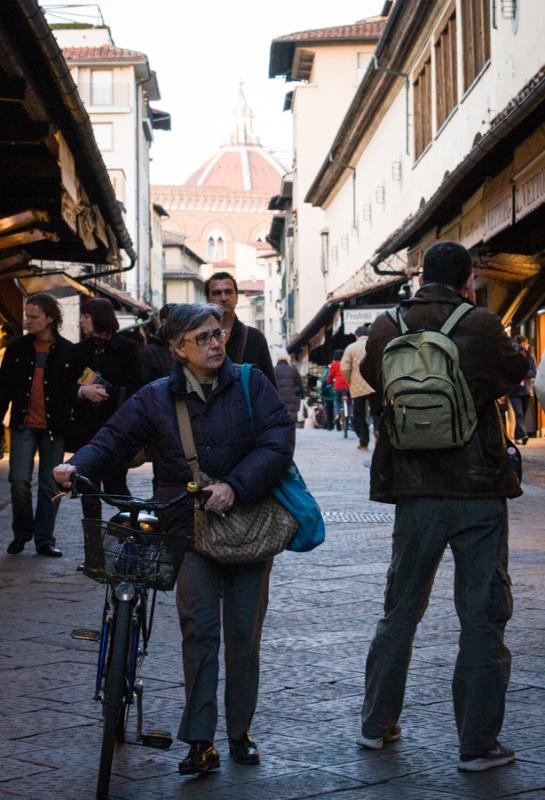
185,317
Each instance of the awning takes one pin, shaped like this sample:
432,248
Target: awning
57,285
121,299
379,292
57,203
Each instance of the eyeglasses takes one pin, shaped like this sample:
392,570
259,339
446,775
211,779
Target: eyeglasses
204,339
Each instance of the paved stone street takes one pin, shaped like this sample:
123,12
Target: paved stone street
323,610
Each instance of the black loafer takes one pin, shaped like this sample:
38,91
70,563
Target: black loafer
49,550
16,546
201,758
244,751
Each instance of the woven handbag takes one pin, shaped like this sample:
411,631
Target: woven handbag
245,534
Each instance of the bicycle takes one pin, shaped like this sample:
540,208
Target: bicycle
344,415
130,556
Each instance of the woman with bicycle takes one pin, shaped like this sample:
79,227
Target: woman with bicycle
246,461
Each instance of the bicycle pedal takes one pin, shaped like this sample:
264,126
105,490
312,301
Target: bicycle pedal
158,739
86,633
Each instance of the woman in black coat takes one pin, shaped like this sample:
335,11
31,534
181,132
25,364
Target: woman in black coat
105,371
247,460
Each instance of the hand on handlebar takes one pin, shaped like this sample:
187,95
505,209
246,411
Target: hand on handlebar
63,474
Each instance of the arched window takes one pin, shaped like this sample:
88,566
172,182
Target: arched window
216,245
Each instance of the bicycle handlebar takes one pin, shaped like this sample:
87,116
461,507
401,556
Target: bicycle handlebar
122,502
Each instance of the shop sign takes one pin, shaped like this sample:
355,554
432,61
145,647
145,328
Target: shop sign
354,317
530,194
498,215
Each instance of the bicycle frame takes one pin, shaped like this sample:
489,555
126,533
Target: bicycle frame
127,621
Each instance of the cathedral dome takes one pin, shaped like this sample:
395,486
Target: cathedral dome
242,164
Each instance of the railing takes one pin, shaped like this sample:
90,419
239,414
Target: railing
105,95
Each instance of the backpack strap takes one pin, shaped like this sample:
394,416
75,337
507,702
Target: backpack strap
395,316
453,319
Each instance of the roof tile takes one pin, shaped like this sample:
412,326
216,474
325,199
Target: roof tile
102,52
365,28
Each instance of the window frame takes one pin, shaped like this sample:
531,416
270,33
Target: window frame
445,48
476,35
422,104
103,126
105,90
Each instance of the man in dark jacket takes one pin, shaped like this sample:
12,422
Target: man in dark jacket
453,497
33,379
244,343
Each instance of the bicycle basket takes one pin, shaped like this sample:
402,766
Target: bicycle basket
114,553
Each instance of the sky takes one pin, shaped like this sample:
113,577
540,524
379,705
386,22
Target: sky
201,50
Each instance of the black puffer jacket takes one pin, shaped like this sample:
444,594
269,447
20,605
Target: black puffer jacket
156,358
16,377
290,386
492,368
251,458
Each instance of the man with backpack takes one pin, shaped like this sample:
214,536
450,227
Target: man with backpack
439,364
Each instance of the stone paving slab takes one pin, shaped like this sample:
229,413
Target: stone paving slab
323,611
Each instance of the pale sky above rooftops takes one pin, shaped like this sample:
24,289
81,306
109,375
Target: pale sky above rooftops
201,51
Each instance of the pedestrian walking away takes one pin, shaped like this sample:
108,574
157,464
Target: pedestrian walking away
361,393
244,344
245,457
454,496
336,378
521,396
289,383
156,356
33,378
105,371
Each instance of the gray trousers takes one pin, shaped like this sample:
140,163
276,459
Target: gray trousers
204,586
476,530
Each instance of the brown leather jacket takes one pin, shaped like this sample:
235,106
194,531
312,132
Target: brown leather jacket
492,369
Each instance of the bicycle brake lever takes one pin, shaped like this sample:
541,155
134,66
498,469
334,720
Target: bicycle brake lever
61,494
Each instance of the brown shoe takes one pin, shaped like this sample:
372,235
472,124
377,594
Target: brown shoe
244,751
201,758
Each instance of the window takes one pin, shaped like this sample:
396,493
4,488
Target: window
363,63
324,236
102,87
475,38
445,67
215,246
104,135
422,107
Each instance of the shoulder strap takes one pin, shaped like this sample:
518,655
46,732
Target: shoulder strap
451,321
245,372
188,442
395,316
242,345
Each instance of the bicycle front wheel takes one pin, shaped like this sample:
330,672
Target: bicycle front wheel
113,697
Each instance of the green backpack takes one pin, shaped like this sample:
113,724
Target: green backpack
428,404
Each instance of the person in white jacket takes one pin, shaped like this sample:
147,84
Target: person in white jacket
361,393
